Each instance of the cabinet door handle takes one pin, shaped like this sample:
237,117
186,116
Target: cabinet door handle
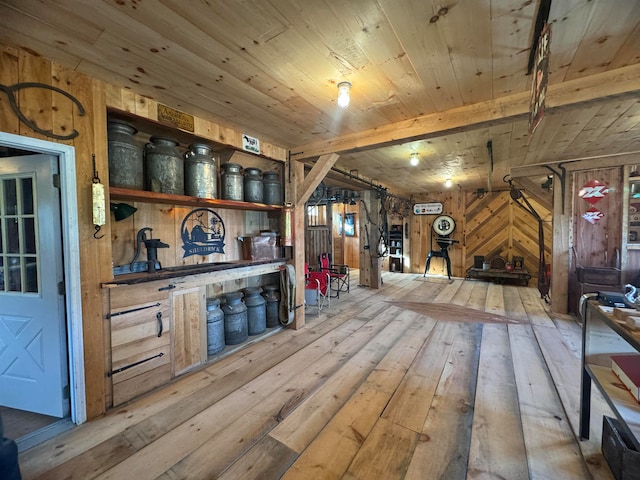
168,287
124,312
159,317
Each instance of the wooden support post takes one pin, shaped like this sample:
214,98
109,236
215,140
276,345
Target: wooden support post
370,263
301,189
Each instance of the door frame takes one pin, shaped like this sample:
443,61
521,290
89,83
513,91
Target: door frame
71,259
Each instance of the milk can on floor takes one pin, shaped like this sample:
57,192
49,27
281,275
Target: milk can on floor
215,327
235,319
256,310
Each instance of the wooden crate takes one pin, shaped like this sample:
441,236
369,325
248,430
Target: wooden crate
623,459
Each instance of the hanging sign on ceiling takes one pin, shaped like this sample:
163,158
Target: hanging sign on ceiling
250,144
433,208
540,79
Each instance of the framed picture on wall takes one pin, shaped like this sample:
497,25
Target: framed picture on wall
350,224
338,224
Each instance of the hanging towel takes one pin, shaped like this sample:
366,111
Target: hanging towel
287,294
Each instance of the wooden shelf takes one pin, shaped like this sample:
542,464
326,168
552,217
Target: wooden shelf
144,196
618,397
603,337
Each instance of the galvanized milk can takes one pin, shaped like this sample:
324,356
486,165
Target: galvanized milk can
165,167
256,310
235,319
272,188
253,186
215,326
271,295
231,182
200,175
126,164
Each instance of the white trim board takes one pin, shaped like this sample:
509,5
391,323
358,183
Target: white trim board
71,247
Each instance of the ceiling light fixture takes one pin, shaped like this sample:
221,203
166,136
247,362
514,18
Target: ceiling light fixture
448,183
415,159
344,96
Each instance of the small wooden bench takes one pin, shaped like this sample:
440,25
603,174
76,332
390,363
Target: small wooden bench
499,275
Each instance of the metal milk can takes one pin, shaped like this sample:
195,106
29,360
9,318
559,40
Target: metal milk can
165,167
253,186
256,310
271,295
272,188
200,175
231,182
215,326
126,164
235,319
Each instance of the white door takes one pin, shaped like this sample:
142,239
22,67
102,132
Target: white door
33,359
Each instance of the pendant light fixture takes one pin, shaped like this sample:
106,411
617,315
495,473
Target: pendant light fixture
448,183
344,95
415,159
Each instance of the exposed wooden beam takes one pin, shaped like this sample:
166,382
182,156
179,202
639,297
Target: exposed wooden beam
622,81
315,176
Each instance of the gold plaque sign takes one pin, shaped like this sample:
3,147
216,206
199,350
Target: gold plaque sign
175,118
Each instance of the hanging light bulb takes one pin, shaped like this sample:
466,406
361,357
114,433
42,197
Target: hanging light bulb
415,159
448,183
343,94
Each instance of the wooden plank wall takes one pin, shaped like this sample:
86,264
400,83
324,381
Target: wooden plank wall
497,226
595,244
491,225
54,112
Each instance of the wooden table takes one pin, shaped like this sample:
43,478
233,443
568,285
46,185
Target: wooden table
499,275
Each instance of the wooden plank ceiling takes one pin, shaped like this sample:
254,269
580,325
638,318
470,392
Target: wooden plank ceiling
437,79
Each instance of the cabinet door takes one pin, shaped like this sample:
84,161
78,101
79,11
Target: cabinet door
189,328
140,346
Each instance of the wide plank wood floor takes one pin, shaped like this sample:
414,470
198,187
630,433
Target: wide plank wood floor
421,379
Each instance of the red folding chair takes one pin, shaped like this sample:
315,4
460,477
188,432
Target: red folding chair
316,289
338,274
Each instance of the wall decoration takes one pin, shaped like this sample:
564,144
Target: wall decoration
432,208
202,233
350,224
593,191
592,215
11,91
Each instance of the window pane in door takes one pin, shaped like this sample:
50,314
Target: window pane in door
15,274
27,196
29,235
31,275
2,284
10,197
13,239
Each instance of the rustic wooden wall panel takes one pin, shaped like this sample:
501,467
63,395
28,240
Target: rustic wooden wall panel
595,245
53,111
490,225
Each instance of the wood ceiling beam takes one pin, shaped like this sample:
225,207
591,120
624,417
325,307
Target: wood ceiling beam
315,176
622,81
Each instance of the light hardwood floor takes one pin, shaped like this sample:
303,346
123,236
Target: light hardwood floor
422,379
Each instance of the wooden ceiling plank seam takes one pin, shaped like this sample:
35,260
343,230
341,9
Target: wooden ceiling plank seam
425,45
600,43
569,20
80,28
517,22
467,30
